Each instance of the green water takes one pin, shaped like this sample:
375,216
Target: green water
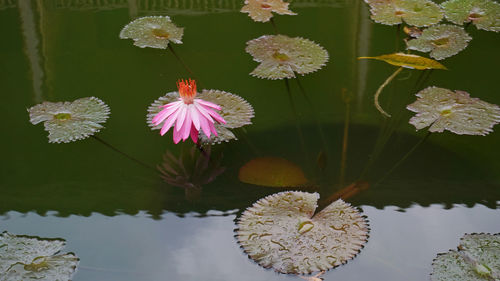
125,223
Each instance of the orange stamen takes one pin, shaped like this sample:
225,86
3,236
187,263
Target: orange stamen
187,90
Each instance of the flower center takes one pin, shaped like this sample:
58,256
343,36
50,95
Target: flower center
160,33
280,56
187,90
62,116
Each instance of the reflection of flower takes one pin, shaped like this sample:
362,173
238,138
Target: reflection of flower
442,109
413,12
188,115
280,56
70,121
485,14
260,10
153,32
281,231
192,169
235,110
442,40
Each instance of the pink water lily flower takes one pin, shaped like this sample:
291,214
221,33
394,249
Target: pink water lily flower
188,115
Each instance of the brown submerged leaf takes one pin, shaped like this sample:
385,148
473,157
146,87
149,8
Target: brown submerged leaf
408,61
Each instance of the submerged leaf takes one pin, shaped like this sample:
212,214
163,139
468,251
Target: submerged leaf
153,32
70,121
443,40
408,61
260,10
442,109
272,171
30,258
280,232
485,14
413,12
478,258
282,56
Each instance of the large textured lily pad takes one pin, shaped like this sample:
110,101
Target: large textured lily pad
280,232
70,121
261,10
34,258
477,258
153,32
484,14
281,56
442,40
413,12
443,109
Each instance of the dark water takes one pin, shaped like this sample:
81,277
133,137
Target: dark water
125,223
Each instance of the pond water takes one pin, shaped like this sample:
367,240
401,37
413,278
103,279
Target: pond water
125,222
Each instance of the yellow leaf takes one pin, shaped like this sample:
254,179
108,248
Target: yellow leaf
408,61
272,171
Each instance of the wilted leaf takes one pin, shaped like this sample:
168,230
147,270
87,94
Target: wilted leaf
477,258
272,171
408,61
280,232
484,14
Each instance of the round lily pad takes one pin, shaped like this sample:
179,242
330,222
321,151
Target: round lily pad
70,121
477,258
413,12
281,232
443,109
484,14
281,56
442,40
261,10
153,32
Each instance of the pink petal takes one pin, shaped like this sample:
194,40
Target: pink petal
209,104
160,117
186,127
212,128
177,137
169,122
195,117
194,134
204,112
180,118
204,126
217,117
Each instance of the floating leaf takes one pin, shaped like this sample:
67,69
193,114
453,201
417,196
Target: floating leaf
235,110
153,32
477,258
441,40
70,121
408,61
280,232
30,258
485,14
260,10
282,56
413,12
443,109
272,171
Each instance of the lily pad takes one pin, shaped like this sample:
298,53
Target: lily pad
153,32
281,232
413,12
272,171
30,258
70,121
484,14
235,110
261,10
443,109
443,40
477,258
281,56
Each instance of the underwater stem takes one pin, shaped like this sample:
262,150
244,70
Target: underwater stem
274,26
123,153
296,117
343,158
184,64
379,90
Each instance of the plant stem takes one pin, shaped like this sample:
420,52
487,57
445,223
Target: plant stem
345,137
379,90
123,153
296,117
183,64
274,26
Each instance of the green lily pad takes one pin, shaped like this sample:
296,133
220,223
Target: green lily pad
477,258
443,109
70,121
442,40
484,14
261,10
281,56
153,32
281,232
413,12
34,258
